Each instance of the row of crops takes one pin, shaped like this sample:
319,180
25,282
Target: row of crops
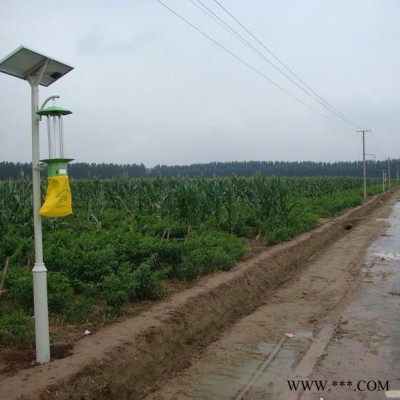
127,237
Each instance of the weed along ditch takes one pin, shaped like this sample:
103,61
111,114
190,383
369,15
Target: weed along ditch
131,357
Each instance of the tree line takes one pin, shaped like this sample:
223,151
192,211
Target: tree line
15,170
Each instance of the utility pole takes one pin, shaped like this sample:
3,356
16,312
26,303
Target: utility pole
364,166
389,172
383,180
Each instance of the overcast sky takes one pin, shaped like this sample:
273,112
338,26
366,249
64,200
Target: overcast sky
149,88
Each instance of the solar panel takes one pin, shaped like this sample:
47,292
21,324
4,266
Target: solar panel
24,62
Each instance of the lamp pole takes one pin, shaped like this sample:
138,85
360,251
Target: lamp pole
364,166
39,270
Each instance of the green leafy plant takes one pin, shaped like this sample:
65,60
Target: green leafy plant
127,236
16,327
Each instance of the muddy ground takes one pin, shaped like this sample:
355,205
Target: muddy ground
256,302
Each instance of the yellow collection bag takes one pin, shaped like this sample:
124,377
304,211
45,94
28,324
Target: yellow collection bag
58,202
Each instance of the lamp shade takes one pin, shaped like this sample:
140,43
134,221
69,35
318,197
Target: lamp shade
54,111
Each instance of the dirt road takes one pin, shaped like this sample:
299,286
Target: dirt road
331,332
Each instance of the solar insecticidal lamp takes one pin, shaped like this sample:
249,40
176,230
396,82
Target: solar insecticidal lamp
58,195
38,70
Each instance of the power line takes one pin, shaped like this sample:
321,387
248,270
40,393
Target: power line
227,27
321,100
244,41
220,22
378,145
248,65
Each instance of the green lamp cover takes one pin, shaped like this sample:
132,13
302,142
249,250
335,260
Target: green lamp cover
54,110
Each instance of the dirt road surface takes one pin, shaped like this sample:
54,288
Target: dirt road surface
331,332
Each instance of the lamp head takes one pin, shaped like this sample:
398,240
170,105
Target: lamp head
53,111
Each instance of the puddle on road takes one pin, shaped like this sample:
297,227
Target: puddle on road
366,345
259,376
381,301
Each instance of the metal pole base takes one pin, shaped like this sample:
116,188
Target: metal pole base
41,313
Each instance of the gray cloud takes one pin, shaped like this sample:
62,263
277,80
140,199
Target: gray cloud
148,88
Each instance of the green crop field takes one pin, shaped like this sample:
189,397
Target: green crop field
128,237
